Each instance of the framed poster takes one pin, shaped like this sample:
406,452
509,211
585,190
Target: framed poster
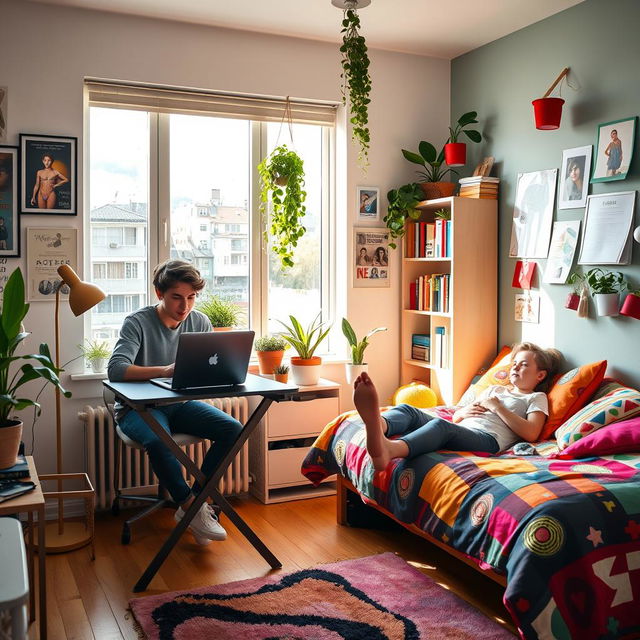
563,247
574,177
9,223
371,256
368,203
48,170
527,307
614,150
47,249
533,214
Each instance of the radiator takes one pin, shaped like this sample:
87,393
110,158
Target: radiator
135,470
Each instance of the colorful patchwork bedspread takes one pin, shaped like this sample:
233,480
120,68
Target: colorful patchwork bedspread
565,533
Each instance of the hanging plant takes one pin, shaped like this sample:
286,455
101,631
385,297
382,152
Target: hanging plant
356,81
281,183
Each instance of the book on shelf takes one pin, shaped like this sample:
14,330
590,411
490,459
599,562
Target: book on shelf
19,470
422,339
479,180
420,353
441,348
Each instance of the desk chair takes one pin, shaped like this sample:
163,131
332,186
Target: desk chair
161,498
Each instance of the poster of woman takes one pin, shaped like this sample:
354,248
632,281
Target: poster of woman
371,253
574,178
9,226
48,169
614,150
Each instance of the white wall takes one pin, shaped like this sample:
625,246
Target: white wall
45,54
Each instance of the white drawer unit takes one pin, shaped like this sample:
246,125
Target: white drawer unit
281,441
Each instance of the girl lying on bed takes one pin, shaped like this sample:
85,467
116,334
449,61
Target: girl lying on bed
499,417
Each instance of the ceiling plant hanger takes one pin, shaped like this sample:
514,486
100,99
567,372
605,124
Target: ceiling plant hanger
355,78
282,186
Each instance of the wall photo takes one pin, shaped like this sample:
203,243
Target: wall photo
371,254
614,150
9,223
574,178
48,171
368,203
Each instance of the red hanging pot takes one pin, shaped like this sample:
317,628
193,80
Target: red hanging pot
631,306
548,112
455,154
572,301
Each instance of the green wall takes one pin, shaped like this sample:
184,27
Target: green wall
600,41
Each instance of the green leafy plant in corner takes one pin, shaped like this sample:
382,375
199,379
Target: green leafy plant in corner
464,121
431,160
14,310
282,183
603,281
357,346
305,340
402,204
221,311
356,81
95,350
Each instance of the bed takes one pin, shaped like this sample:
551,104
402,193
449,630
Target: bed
558,527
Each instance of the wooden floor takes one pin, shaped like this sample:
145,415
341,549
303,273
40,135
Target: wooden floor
88,599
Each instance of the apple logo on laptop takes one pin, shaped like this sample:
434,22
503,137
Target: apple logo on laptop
213,360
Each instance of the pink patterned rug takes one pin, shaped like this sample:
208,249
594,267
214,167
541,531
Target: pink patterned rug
374,598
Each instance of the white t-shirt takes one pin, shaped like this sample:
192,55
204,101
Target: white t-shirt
522,404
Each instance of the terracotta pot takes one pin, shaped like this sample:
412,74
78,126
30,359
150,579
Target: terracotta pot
455,154
433,190
269,360
572,301
547,112
306,371
607,303
223,328
282,377
631,306
10,438
282,181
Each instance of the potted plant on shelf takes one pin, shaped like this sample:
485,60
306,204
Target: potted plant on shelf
631,305
270,351
356,81
305,369
434,185
223,313
455,153
281,373
606,287
96,354
357,347
282,180
14,310
402,204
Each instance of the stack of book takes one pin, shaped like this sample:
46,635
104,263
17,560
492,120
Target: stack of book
428,239
420,347
430,293
479,187
19,470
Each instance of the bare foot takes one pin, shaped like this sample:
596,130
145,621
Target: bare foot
365,397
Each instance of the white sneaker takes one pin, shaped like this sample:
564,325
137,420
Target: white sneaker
205,526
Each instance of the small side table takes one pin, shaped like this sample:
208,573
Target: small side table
30,503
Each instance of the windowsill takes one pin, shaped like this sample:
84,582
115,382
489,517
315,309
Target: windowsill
82,377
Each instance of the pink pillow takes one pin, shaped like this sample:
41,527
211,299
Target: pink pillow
619,437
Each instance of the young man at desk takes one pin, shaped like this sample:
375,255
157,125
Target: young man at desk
146,349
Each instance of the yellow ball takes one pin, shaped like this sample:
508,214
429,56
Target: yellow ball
415,394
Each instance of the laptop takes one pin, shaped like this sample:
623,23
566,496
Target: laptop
211,359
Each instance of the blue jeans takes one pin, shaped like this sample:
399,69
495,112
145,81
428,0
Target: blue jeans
423,434
194,418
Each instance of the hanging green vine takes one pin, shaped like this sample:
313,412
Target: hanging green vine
282,176
356,82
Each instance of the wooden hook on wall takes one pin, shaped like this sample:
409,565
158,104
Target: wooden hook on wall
563,73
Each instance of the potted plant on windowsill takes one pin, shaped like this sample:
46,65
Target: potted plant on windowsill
281,373
96,354
402,204
305,369
606,287
455,153
357,348
434,185
281,183
14,310
270,351
223,313
631,305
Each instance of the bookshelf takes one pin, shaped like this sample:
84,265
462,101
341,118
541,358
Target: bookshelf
468,317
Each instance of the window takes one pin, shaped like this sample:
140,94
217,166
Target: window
201,170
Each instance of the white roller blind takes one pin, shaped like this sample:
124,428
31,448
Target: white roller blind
104,93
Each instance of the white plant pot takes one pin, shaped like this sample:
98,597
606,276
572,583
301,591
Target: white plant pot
354,370
607,304
305,375
98,365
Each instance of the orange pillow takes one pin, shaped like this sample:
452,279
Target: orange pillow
570,392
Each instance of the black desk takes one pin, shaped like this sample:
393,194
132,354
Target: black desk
144,396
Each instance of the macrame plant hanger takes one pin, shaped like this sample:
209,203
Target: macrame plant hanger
286,116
